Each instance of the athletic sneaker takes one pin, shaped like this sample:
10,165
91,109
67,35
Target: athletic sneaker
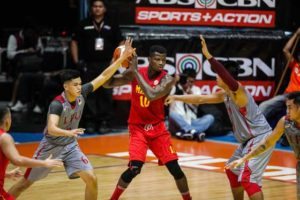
200,137
179,134
184,135
37,109
18,107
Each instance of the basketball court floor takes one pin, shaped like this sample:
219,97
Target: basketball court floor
203,164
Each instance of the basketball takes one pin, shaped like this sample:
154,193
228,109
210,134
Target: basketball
118,53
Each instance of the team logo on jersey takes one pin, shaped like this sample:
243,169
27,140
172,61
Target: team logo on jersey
155,82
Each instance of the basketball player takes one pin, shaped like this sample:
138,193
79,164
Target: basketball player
8,152
290,125
62,130
146,120
249,125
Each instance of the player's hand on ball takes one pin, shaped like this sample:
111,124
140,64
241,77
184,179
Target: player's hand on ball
124,50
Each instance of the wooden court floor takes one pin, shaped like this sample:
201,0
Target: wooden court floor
202,163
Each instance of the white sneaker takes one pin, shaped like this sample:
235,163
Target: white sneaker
19,107
10,104
37,109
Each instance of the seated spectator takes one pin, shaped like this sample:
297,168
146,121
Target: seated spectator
183,118
36,90
24,50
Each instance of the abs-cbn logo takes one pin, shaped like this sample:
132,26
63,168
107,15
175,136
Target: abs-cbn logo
249,67
211,3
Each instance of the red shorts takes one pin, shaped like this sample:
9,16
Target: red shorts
5,196
155,137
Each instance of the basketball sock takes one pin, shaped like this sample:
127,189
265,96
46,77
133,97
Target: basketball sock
186,196
117,193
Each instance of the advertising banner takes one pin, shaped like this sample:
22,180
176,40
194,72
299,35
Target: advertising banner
229,13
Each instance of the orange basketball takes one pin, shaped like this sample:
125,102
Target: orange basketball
118,52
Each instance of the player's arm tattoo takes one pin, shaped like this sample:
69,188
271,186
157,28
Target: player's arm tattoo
162,89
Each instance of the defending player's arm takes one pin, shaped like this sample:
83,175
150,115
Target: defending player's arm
289,44
109,72
263,146
10,151
55,110
197,99
240,96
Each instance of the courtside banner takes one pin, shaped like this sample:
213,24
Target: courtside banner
229,13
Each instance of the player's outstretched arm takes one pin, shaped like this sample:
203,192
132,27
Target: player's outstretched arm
262,147
109,71
196,99
10,151
240,96
219,68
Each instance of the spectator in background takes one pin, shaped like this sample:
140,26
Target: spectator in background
23,53
275,108
36,89
92,47
183,117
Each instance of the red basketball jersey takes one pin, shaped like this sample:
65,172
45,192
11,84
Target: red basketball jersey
143,111
3,165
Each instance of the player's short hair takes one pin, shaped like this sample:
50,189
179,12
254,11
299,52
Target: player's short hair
294,96
93,1
232,67
69,74
157,48
3,111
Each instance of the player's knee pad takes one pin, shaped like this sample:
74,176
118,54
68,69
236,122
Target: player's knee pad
133,170
251,188
233,178
175,169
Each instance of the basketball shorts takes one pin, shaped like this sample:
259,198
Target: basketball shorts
154,137
71,155
252,170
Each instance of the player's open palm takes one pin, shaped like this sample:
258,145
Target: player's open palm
235,164
50,163
169,99
204,48
76,132
128,47
14,174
